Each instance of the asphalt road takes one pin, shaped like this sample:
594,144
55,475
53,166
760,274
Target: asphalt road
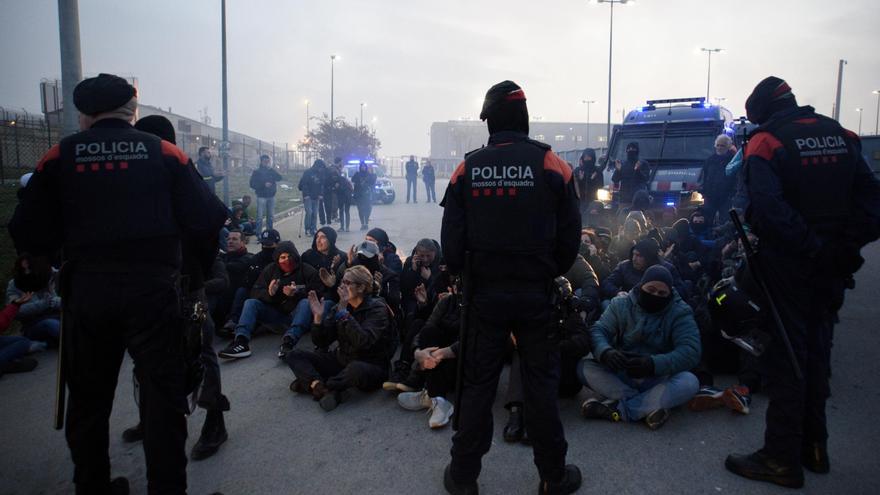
283,443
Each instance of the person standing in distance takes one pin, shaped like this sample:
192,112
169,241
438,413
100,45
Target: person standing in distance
412,178
813,203
117,202
206,169
513,206
264,183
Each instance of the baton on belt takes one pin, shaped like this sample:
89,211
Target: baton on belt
464,294
61,374
752,262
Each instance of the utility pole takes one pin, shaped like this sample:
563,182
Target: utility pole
709,51
225,146
836,114
71,63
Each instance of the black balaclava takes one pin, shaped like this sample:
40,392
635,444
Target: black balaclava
157,125
697,227
588,157
770,96
632,155
641,201
37,275
649,302
504,108
649,249
371,263
682,229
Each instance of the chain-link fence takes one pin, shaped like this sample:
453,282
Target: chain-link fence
24,139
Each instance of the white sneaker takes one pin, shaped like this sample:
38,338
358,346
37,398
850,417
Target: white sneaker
414,401
442,411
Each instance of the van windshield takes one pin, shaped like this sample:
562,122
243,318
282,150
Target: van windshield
677,146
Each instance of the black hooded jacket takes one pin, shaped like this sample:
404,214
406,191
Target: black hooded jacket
302,274
364,334
625,276
588,177
317,259
714,183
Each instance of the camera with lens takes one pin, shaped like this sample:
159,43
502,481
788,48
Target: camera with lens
739,317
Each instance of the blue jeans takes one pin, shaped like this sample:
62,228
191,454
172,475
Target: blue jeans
241,295
45,330
638,397
13,347
265,206
297,323
311,210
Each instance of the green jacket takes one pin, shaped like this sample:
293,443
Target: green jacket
670,337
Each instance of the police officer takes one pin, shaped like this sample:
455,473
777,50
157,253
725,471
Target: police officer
117,202
513,207
813,204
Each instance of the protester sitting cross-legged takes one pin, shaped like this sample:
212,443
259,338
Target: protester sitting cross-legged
645,343
362,326
277,299
435,349
13,347
40,316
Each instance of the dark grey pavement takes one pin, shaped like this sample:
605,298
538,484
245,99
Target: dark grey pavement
283,443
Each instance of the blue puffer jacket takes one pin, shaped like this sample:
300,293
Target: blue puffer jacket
670,337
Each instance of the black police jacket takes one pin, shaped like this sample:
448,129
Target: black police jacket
113,194
513,205
808,183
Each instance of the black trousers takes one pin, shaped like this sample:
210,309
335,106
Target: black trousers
325,366
430,191
412,185
494,315
211,394
365,208
107,313
569,385
344,213
796,411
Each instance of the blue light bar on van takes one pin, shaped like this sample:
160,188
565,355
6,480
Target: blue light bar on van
355,162
698,99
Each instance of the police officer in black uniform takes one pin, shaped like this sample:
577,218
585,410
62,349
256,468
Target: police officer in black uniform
513,207
117,202
814,202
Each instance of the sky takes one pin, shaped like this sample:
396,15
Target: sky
418,62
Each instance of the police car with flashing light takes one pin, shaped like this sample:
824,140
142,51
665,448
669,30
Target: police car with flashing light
383,191
675,138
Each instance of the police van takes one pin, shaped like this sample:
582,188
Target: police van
383,191
675,138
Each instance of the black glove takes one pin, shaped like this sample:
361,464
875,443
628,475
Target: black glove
614,359
640,367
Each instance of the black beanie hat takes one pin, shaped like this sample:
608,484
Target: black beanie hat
381,237
329,232
649,249
505,108
633,145
657,273
158,126
101,94
769,96
681,228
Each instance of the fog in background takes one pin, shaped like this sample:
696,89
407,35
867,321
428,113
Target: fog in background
414,63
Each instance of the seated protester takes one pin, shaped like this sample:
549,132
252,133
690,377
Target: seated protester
627,237
386,282
278,298
269,240
13,347
640,209
236,261
574,344
585,284
362,326
435,348
247,225
689,256
216,285
40,317
238,222
324,255
668,216
628,273
387,249
592,251
700,228
645,343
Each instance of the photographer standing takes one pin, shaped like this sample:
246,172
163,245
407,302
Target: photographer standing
95,211
513,207
813,203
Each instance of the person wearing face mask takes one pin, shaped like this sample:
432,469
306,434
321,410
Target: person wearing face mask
587,180
277,298
700,228
631,175
645,344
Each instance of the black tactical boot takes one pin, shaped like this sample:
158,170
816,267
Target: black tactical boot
815,457
212,437
514,430
761,467
456,488
569,483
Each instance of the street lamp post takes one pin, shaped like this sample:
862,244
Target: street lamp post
709,51
588,103
877,120
225,146
308,118
860,119
362,114
610,53
718,100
